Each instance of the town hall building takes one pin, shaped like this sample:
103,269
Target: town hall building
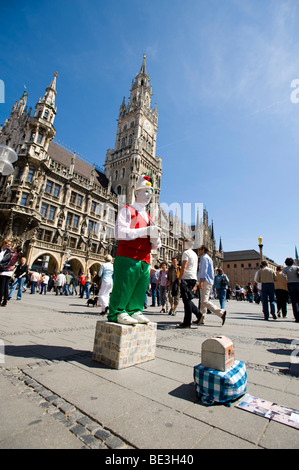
63,209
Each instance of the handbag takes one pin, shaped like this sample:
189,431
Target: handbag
187,290
175,288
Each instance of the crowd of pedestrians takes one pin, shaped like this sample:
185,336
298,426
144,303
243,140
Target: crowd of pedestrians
193,279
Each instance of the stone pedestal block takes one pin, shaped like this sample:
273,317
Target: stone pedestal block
120,346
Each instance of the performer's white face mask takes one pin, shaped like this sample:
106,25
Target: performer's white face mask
143,196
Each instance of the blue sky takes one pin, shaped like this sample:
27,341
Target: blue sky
221,72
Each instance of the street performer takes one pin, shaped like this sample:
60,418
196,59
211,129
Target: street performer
137,236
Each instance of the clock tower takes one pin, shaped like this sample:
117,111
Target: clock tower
135,144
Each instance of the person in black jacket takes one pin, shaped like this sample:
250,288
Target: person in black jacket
5,258
20,276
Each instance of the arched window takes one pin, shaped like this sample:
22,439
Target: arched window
118,190
116,175
123,172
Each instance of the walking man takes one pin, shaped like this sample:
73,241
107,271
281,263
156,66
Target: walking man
267,277
187,281
206,281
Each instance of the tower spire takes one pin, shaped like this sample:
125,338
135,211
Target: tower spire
143,66
51,92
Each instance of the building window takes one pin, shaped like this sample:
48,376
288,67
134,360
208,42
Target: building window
93,207
72,220
68,219
52,188
39,138
20,174
43,209
24,199
49,187
51,213
73,242
111,215
47,236
48,211
109,233
75,221
76,199
93,227
56,190
46,114
30,175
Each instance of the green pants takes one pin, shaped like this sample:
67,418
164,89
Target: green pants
130,283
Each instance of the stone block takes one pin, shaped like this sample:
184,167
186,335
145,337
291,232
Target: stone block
120,346
217,353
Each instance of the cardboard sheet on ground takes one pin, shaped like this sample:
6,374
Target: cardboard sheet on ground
270,410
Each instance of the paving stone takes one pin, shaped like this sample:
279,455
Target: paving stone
66,407
102,434
78,430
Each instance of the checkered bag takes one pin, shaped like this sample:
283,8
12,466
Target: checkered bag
215,386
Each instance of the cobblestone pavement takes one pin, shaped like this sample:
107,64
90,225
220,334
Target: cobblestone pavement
48,344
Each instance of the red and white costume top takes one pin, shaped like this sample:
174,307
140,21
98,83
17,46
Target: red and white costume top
131,231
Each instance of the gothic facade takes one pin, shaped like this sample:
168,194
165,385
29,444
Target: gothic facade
63,209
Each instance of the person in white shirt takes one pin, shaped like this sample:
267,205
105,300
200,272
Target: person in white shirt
187,282
106,273
60,282
44,283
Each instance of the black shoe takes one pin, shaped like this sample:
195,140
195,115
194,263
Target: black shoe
223,318
182,325
170,311
274,316
173,314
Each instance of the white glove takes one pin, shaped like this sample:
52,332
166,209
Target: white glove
153,232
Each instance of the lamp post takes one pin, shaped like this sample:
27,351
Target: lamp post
261,248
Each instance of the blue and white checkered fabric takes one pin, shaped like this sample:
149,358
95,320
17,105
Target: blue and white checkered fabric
213,385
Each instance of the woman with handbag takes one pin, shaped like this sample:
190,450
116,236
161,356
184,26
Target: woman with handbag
174,288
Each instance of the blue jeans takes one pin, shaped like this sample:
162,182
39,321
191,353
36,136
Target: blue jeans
293,288
43,288
155,294
85,290
18,282
33,286
268,295
221,295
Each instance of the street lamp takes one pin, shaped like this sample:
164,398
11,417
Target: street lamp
261,248
7,157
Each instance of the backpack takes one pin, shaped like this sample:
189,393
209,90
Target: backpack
224,281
